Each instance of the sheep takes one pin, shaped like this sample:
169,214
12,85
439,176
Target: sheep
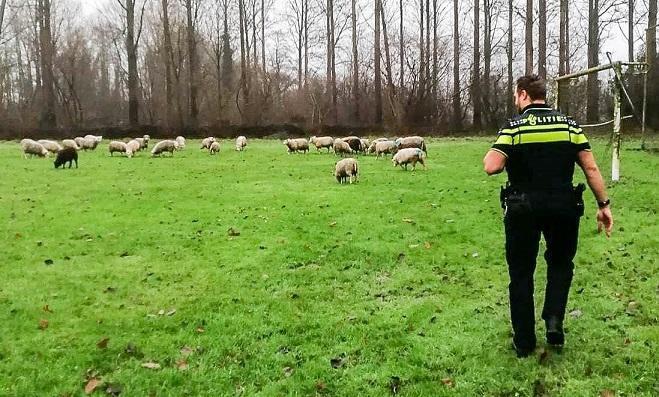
411,142
33,148
132,147
145,140
354,142
384,147
206,142
143,145
346,169
409,155
89,142
365,144
214,148
371,147
322,142
241,143
51,146
181,142
66,155
164,146
98,139
297,145
66,143
80,141
342,148
116,147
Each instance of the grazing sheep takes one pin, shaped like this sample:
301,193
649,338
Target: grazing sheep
411,142
132,147
355,143
241,143
181,142
70,143
322,142
206,142
98,139
51,146
385,147
89,142
66,155
214,148
116,147
346,169
409,155
143,144
365,144
164,146
33,148
145,140
80,141
342,148
297,145
371,147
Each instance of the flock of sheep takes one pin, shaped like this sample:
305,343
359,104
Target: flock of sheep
404,151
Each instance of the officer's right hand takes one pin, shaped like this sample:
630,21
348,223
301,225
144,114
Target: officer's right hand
605,221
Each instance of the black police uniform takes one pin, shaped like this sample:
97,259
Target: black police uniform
541,146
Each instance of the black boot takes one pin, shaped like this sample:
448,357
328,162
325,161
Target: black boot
523,351
555,335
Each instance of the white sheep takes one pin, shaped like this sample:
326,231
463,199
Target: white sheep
214,147
116,147
132,147
164,146
241,143
341,147
33,148
409,155
384,147
206,142
346,169
297,145
89,142
371,147
80,141
51,146
181,142
322,142
70,143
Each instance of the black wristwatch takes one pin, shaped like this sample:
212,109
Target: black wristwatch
603,204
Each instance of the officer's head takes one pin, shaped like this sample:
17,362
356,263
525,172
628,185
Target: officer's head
530,89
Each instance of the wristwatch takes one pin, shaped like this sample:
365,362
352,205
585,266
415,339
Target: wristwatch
603,204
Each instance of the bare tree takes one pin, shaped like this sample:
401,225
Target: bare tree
630,30
168,56
48,115
355,64
191,11
542,38
563,50
592,88
509,53
132,44
402,46
529,36
475,78
457,107
377,57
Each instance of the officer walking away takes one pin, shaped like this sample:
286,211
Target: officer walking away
539,148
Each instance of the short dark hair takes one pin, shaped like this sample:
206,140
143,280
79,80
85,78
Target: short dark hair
534,85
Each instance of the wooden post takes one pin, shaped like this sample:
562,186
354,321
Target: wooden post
617,121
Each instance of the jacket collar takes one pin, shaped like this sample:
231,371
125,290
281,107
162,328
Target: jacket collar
542,106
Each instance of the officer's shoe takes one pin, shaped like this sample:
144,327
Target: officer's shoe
555,335
523,351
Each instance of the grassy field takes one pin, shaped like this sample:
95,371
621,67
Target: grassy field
124,273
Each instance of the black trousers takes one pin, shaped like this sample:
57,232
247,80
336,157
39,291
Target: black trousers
560,228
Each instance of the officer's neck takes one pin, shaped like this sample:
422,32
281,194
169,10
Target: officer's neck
533,104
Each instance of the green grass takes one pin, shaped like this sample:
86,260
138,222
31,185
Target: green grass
400,278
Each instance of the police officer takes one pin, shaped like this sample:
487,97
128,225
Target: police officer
538,149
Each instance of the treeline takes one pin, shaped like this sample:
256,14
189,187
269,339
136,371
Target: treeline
268,67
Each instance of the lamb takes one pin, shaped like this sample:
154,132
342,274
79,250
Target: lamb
51,146
409,155
354,142
132,147
297,145
241,143
385,147
33,148
322,142
214,148
346,169
411,142
164,146
66,155
116,147
341,147
181,142
206,142
66,143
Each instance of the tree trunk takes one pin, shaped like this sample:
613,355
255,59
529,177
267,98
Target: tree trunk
487,60
563,54
192,62
243,58
435,66
306,42
402,47
263,39
427,60
509,101
592,88
355,65
378,72
168,56
630,31
652,39
48,116
457,108
542,38
529,37
422,66
475,80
